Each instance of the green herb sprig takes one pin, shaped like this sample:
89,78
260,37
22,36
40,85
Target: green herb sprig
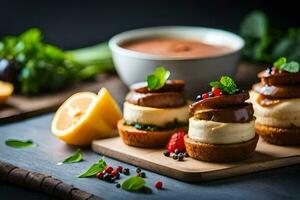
94,169
42,67
265,43
76,157
291,66
158,79
20,144
136,184
226,84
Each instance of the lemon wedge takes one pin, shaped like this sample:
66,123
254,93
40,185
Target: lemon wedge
85,116
6,90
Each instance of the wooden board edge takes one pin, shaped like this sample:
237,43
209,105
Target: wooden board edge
171,172
251,168
195,177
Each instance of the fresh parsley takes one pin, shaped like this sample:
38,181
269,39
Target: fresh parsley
265,43
76,157
283,65
136,184
158,79
20,144
226,84
40,67
94,169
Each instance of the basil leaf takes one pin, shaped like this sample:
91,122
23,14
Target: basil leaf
133,183
152,82
291,67
279,62
147,190
77,157
215,84
158,79
226,84
20,143
94,169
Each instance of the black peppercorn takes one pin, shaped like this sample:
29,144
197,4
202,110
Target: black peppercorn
166,153
138,170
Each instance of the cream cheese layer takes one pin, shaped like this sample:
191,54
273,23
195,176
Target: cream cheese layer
155,116
220,133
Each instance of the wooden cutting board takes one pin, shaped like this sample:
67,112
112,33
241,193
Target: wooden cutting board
20,106
267,156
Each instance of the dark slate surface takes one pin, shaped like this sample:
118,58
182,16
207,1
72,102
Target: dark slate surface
274,184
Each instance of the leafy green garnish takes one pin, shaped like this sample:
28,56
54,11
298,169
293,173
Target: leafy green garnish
279,62
226,84
151,127
42,67
94,169
134,183
77,157
283,65
158,79
20,143
265,43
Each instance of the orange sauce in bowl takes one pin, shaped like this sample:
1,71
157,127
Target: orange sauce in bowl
172,47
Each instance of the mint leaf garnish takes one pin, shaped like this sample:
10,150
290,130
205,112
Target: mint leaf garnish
158,79
94,169
283,65
20,144
280,61
291,67
133,183
226,84
77,157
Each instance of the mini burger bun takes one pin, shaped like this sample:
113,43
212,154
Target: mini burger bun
279,136
146,139
220,152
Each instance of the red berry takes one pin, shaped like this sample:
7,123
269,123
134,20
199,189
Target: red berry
119,169
115,173
176,142
158,185
109,169
216,91
100,175
204,95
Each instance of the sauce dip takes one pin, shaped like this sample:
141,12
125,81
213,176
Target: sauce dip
173,47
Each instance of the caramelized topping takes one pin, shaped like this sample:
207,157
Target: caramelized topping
222,101
279,78
170,86
277,92
265,102
157,100
170,95
241,113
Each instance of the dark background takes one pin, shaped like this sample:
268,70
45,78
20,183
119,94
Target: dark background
73,24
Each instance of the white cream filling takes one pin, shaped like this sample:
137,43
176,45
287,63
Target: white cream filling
285,114
220,133
155,116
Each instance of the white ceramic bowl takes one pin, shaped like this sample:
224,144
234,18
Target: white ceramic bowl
134,66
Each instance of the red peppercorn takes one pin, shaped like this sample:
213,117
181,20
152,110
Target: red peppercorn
119,169
204,95
216,91
109,169
100,175
115,173
158,185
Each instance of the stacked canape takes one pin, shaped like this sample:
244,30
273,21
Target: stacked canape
153,110
222,128
276,102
